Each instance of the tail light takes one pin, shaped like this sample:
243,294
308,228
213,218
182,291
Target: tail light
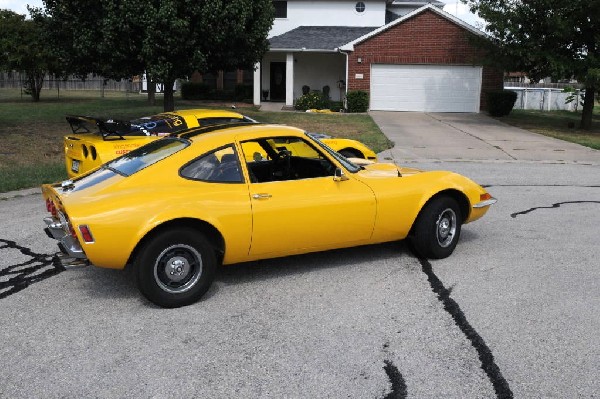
50,207
86,233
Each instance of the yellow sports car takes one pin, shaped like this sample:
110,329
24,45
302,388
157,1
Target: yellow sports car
96,141
177,207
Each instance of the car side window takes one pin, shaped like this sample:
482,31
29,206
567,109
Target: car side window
219,166
284,158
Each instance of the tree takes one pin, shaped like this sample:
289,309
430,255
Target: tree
168,39
547,38
23,48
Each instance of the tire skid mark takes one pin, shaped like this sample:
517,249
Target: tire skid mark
399,389
28,272
555,205
488,364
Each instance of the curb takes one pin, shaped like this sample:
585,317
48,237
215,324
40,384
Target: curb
20,193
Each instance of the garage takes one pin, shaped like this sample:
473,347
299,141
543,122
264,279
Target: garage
425,88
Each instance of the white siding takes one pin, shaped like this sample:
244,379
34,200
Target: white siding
425,88
328,13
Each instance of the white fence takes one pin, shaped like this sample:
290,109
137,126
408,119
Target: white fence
543,99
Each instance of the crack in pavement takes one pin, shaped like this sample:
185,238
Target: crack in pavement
399,389
488,364
555,205
26,273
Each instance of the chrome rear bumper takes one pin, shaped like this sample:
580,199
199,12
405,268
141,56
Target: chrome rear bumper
67,244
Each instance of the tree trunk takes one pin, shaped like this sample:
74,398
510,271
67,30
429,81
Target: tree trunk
35,80
151,86
588,108
169,101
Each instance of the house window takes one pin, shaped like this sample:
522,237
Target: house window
280,9
360,6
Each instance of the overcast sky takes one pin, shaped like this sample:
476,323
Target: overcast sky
454,7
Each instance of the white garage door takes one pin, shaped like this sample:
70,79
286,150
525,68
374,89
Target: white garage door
425,88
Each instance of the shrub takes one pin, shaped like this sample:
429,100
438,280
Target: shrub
194,91
312,100
243,92
336,106
500,102
326,90
357,101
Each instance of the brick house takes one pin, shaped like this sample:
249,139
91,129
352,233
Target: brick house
408,55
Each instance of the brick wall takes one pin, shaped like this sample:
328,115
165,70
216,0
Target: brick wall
427,38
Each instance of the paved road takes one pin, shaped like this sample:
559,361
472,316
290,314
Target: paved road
513,312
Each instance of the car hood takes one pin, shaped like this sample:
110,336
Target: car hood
387,170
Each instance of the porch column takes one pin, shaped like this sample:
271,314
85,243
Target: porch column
289,80
256,91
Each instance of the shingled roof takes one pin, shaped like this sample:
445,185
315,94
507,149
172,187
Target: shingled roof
318,37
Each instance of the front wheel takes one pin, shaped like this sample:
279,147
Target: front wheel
175,268
437,229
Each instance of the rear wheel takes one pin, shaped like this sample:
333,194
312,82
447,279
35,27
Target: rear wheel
437,228
175,268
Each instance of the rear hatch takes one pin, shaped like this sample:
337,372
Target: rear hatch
95,141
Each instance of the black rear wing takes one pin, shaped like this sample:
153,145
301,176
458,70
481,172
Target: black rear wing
108,128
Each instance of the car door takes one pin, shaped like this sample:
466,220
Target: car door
305,208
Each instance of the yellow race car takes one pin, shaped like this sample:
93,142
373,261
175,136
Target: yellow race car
95,141
177,207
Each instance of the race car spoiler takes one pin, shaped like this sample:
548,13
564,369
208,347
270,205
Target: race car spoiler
108,128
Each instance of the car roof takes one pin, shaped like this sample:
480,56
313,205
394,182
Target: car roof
239,130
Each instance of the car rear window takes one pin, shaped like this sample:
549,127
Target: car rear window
146,155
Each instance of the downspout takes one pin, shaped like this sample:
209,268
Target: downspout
346,78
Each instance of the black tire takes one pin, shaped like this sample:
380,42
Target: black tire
175,268
349,153
437,228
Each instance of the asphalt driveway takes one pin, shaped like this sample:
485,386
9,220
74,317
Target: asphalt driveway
472,137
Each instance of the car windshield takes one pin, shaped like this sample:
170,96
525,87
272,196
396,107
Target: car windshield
146,155
350,166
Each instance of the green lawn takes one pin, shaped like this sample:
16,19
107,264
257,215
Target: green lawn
562,125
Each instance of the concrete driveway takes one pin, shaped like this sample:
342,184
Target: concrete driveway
472,137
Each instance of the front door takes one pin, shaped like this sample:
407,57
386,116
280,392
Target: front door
277,81
297,206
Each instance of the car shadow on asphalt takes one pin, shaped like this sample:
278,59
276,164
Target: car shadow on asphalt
311,262
110,284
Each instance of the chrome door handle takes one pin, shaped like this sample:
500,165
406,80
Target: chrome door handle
261,196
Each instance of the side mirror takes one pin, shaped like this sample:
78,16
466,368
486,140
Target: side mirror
339,175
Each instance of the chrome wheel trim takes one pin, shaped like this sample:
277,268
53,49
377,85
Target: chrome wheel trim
445,227
178,268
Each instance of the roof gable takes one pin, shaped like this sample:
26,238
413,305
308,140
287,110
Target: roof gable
350,45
